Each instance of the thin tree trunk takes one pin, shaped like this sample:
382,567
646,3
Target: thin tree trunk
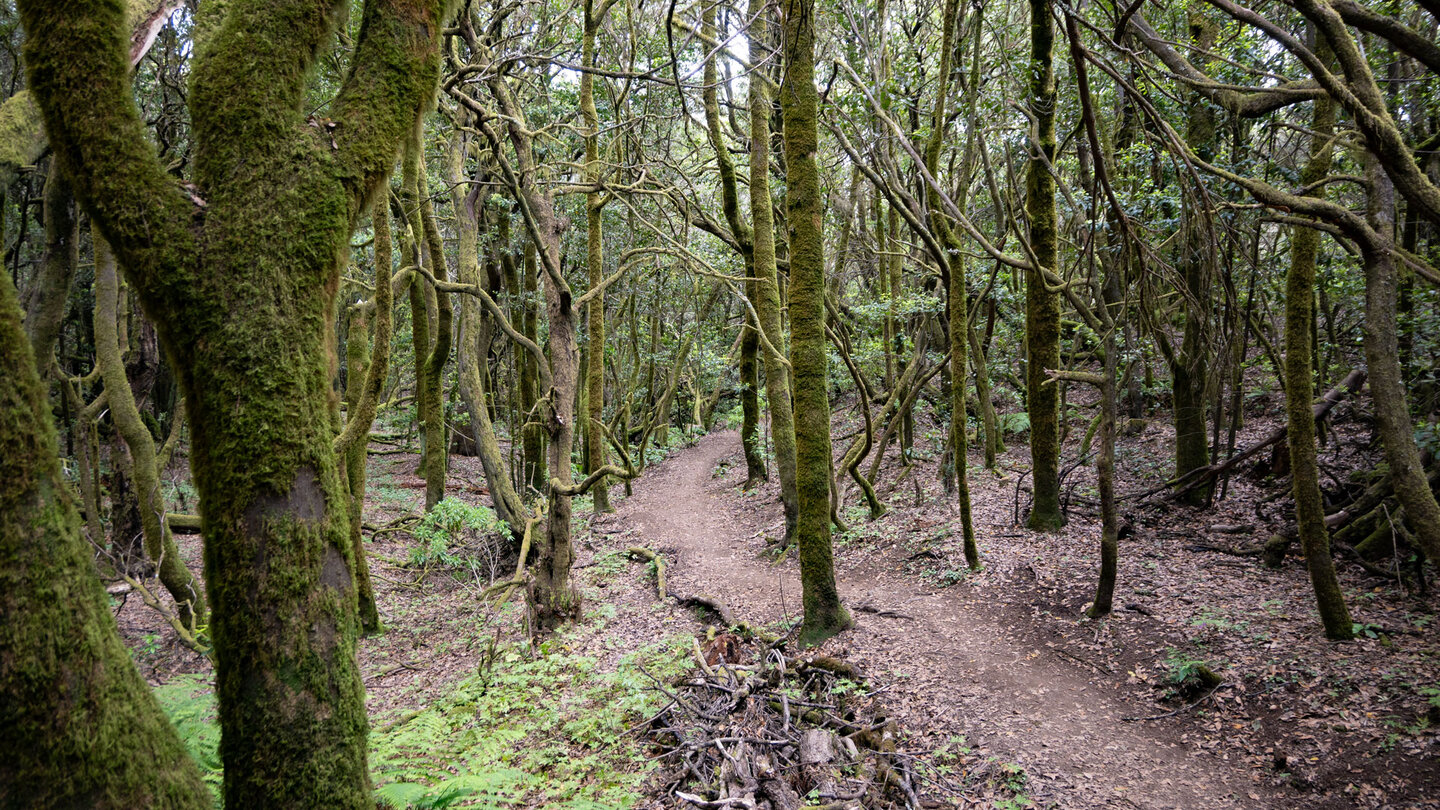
777,375
824,615
1300,389
595,262
159,543
1042,307
1387,389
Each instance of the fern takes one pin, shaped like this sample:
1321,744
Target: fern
546,731
189,702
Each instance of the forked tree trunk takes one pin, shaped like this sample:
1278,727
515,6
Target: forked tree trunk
240,276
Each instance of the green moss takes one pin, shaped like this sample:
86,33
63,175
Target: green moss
22,134
824,615
77,723
767,303
240,275
1042,307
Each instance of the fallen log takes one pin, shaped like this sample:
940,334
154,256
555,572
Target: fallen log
642,553
182,524
1200,476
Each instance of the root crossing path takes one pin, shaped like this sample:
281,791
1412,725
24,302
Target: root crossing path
953,663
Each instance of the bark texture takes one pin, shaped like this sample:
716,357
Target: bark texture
78,725
1300,390
1042,307
762,218
239,272
824,615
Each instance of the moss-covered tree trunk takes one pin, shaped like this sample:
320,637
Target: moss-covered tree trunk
953,263
141,463
48,294
1189,367
553,597
466,201
1387,388
749,371
78,725
1042,307
534,476
431,363
239,272
368,370
1300,390
594,13
762,219
824,615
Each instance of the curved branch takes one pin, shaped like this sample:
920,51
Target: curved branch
78,65
392,80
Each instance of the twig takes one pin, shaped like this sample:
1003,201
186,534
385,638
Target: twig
1174,712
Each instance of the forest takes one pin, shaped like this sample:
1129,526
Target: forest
701,404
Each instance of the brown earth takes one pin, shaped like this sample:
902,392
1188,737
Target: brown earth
983,660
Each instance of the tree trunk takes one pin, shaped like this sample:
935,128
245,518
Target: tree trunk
824,615
239,272
159,544
1042,307
1387,389
50,290
1300,389
78,725
595,262
535,476
507,503
432,405
777,375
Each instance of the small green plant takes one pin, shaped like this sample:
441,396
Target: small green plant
1189,676
189,702
444,530
150,645
1012,423
1367,630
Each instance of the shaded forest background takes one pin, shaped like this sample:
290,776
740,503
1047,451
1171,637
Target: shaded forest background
1092,280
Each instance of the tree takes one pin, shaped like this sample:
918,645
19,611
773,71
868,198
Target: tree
767,304
78,724
1042,305
824,615
239,272
1300,390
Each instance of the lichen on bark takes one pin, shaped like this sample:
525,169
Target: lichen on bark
824,615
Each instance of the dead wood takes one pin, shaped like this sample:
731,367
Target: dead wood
764,735
1201,476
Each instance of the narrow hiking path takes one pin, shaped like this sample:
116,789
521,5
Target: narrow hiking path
956,662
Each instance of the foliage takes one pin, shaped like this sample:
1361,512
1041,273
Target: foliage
189,702
533,728
529,730
444,531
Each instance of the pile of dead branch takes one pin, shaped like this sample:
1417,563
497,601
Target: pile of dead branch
779,734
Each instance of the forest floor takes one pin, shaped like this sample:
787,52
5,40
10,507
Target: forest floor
999,668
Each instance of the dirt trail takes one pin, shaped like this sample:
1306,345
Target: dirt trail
957,662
